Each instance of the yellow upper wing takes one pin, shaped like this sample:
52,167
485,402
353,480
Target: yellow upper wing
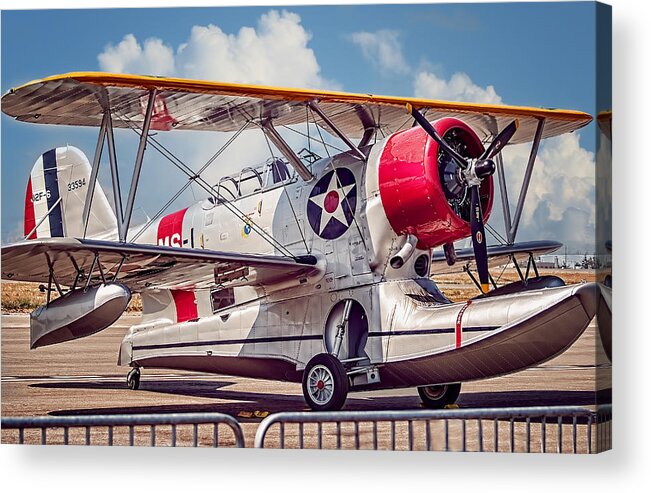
80,98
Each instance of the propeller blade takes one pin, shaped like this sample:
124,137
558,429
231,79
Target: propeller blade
431,131
501,140
479,238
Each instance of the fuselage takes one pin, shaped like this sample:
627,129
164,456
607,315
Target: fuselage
342,217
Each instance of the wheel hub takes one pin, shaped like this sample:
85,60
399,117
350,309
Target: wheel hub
320,384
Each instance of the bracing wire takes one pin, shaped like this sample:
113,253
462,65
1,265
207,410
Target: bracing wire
190,182
495,234
166,153
325,148
312,138
298,226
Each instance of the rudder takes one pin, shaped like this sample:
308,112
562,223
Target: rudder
55,196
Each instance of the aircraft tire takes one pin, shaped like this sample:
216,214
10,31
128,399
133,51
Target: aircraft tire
439,396
133,379
325,383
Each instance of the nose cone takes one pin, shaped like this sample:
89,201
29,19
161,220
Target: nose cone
588,294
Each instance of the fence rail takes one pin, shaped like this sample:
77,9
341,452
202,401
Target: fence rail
514,429
577,421
131,422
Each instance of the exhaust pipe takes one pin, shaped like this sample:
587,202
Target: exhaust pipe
405,253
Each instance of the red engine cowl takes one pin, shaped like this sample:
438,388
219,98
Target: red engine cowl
411,189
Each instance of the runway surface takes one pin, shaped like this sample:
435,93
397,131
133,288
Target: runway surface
82,377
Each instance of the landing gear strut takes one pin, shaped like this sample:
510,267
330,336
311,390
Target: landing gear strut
133,379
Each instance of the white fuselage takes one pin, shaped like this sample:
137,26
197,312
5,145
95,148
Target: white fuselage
273,331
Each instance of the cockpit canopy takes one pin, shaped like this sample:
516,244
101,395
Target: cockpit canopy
250,180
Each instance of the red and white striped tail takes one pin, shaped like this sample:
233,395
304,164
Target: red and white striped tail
56,192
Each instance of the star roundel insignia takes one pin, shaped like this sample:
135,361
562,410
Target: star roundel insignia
332,202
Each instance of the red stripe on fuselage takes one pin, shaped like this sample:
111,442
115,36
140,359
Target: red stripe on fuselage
457,329
30,216
170,229
186,305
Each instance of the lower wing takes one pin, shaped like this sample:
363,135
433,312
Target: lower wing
75,261
497,255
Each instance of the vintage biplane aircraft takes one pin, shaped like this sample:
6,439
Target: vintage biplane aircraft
309,269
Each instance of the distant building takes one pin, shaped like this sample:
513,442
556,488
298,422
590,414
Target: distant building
548,262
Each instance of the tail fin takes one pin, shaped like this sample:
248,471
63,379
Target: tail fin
56,192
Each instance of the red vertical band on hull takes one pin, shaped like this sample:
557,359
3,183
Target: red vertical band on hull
30,217
186,305
457,329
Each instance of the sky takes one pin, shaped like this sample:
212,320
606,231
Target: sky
523,54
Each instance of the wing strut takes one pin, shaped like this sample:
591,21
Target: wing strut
192,175
506,210
271,132
115,177
106,134
94,170
317,109
124,221
512,227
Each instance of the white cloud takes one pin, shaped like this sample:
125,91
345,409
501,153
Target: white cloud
459,88
382,48
153,57
17,233
276,52
561,197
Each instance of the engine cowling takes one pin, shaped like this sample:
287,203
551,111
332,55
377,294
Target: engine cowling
420,186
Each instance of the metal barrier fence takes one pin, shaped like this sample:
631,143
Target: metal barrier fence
523,424
559,429
604,425
114,423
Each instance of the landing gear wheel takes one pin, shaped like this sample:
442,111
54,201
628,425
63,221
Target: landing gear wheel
325,383
133,378
439,396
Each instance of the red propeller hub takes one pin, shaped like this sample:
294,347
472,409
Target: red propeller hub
420,189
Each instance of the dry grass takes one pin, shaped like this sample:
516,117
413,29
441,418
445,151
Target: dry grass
24,297
570,276
459,287
20,297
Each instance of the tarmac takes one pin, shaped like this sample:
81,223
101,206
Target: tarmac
82,377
